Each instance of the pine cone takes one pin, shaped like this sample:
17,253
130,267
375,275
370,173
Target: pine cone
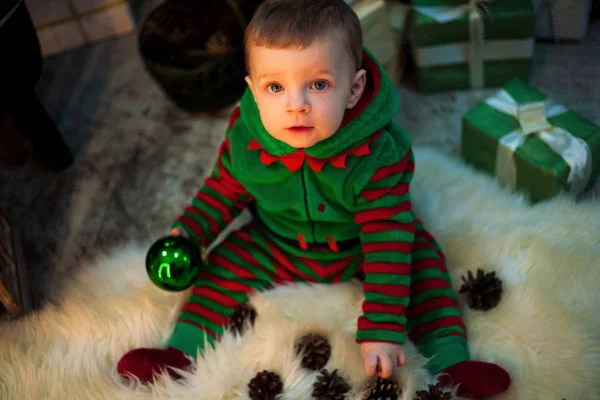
435,392
242,315
330,386
485,290
316,351
384,389
266,385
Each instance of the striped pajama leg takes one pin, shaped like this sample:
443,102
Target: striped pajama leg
434,321
245,262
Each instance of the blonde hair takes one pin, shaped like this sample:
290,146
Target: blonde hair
283,24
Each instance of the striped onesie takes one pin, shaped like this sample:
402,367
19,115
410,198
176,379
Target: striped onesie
329,213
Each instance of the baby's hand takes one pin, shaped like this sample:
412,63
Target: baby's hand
179,232
382,357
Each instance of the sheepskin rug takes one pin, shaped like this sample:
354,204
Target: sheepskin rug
545,331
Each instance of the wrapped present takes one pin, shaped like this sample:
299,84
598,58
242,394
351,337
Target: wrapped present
378,36
562,19
67,24
459,44
531,144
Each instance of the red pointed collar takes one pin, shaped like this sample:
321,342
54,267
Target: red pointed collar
294,161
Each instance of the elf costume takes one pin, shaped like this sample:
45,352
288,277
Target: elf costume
327,213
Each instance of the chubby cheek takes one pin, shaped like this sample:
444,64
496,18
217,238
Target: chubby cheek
269,111
331,114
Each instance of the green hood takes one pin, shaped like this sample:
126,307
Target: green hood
376,108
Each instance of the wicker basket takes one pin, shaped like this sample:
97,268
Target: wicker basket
194,50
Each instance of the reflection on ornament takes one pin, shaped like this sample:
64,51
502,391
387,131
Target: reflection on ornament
173,263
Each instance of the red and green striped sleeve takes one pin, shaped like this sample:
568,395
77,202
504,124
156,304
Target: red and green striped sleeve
385,214
219,201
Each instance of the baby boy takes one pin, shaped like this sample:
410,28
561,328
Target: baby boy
313,152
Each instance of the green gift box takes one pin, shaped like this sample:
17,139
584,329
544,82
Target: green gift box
460,44
531,144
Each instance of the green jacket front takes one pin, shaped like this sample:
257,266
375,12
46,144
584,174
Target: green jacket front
353,185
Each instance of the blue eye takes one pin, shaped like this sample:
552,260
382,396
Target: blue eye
320,85
275,87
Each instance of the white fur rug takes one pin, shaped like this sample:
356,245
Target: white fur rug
545,331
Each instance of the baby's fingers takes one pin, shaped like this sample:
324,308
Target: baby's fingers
370,364
387,366
401,359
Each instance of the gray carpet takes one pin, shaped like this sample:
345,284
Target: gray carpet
139,159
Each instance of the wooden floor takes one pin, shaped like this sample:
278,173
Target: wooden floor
139,159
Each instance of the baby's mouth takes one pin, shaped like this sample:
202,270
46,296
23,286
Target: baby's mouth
299,128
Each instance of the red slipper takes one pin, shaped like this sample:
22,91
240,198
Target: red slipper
476,378
147,364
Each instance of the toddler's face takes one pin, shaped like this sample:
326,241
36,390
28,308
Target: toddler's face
302,94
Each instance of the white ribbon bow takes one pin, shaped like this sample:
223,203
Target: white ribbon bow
443,14
533,121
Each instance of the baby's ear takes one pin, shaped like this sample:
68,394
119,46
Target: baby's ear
357,88
249,82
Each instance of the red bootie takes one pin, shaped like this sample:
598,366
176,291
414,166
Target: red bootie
476,378
147,364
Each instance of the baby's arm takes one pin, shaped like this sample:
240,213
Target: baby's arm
384,212
217,203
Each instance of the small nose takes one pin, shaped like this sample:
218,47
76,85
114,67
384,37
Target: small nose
298,102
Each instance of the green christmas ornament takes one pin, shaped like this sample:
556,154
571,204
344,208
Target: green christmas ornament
173,263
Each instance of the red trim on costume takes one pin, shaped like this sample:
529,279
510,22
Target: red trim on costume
302,242
294,161
234,116
332,244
